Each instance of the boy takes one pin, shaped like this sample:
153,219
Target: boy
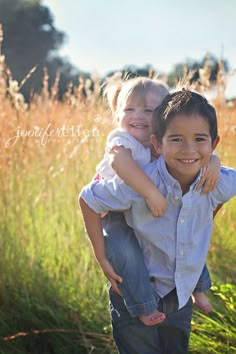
175,246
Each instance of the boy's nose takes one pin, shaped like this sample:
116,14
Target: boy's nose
189,146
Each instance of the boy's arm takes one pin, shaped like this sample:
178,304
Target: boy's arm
219,206
93,226
210,175
129,171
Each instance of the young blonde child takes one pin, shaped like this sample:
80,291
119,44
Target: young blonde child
128,148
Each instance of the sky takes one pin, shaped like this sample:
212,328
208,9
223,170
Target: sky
106,35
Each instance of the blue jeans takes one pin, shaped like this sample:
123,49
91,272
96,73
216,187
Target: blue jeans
169,337
204,282
125,254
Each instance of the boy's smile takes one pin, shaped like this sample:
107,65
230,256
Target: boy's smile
186,147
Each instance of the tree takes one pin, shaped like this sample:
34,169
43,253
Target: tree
68,74
130,71
29,38
209,62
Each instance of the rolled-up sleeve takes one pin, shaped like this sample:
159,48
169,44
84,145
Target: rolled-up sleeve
226,187
107,195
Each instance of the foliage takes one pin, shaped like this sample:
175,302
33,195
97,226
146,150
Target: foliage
53,297
208,63
216,333
31,39
129,71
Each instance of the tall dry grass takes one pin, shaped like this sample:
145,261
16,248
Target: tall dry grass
53,297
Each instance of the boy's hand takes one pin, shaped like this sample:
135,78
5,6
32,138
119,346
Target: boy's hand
156,203
111,275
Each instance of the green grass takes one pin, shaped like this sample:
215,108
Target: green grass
53,297
216,333
49,280
51,289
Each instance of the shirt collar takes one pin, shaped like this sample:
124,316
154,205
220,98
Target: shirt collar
170,181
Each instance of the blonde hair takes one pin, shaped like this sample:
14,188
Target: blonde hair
136,89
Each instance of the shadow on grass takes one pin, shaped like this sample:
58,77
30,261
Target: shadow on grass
35,319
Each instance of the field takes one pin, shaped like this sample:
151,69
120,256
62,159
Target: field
53,297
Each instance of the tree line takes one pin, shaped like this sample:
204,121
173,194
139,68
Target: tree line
31,39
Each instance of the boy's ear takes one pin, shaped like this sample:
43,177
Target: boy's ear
157,145
215,142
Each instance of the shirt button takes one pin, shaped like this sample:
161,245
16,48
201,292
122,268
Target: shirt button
182,221
181,252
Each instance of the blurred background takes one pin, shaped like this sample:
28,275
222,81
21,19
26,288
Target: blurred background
98,38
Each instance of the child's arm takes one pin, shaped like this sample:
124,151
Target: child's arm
128,170
93,227
216,210
210,176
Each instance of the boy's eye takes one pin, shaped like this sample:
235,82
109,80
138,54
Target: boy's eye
148,110
200,139
176,139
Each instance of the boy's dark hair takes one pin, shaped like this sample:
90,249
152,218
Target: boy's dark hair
183,102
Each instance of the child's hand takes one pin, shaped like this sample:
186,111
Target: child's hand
210,175
156,203
110,274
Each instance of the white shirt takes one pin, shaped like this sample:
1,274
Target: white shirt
140,153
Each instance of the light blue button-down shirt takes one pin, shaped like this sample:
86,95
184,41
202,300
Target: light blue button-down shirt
175,246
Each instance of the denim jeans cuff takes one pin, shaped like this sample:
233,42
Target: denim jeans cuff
203,286
142,309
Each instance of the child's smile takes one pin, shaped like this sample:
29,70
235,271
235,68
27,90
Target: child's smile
186,146
136,117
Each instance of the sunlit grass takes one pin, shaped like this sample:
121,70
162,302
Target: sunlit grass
53,297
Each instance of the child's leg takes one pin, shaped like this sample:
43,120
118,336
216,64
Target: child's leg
199,298
126,257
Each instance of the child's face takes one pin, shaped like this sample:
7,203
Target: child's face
135,117
186,146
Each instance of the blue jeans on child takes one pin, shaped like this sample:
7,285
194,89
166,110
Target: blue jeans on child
169,337
126,256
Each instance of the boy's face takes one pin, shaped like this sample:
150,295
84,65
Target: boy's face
186,146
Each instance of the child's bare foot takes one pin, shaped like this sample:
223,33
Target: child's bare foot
153,318
201,302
